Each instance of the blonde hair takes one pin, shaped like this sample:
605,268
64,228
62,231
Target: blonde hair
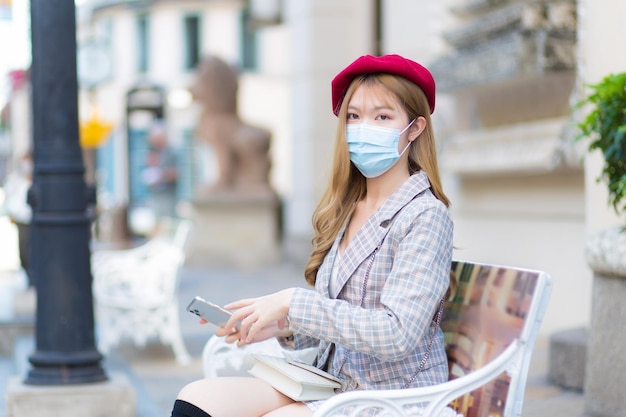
347,185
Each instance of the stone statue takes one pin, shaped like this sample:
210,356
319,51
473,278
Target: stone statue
241,150
239,211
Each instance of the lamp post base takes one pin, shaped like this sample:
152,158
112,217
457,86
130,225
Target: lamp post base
115,397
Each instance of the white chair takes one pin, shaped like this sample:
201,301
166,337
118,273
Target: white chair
490,325
136,293
223,359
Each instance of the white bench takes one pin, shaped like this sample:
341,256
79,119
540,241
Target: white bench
490,326
136,293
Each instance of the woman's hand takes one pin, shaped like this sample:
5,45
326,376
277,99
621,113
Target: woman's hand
260,318
235,336
280,329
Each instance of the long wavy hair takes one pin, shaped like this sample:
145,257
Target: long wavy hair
347,185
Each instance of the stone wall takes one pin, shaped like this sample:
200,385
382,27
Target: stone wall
605,375
507,151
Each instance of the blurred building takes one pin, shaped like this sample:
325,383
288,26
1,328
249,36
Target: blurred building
508,72
14,86
136,63
15,122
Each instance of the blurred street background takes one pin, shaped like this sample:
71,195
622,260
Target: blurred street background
216,114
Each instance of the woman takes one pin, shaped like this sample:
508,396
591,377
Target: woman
381,255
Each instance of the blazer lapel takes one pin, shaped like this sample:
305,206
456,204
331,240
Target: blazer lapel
359,249
374,230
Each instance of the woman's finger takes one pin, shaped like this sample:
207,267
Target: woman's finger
258,330
239,304
253,330
220,331
233,322
246,325
233,337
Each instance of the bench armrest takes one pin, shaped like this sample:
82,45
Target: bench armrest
426,401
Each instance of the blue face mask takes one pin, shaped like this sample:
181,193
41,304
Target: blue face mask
374,149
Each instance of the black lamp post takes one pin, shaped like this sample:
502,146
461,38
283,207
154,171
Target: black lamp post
65,347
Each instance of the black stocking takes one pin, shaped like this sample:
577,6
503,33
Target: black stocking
185,409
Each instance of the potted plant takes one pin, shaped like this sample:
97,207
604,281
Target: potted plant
605,373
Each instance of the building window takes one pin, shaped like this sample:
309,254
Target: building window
143,46
192,27
248,41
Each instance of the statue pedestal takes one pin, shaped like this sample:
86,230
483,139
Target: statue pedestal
232,229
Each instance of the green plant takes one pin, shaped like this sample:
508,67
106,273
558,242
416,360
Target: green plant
605,125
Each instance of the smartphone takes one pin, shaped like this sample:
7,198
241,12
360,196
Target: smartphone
210,312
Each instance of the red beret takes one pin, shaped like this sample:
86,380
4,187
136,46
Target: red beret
390,64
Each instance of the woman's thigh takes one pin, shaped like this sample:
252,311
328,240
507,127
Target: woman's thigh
295,409
234,396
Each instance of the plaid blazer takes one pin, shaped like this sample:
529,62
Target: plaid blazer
375,327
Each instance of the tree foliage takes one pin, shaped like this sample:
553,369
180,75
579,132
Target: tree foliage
605,125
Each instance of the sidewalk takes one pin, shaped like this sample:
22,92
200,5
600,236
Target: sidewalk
157,377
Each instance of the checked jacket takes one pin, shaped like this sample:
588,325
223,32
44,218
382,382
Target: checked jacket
374,324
